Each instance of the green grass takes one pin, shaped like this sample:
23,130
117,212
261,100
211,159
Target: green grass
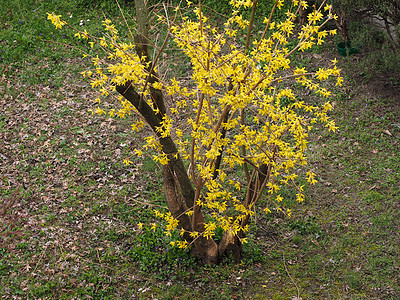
73,232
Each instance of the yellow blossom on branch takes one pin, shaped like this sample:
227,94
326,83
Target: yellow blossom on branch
56,20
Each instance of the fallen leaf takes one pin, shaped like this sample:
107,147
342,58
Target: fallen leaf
317,56
387,132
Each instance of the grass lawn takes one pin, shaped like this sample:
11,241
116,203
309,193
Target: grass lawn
70,208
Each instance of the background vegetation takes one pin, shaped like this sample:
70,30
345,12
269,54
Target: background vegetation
373,27
69,208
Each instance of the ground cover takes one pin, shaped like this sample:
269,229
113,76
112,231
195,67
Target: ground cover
70,209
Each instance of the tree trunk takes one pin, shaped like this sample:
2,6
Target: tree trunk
175,168
180,195
341,23
178,188
230,245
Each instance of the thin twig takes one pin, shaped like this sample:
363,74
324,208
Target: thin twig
287,271
123,16
149,204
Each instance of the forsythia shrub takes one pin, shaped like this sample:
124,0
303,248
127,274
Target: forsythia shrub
244,115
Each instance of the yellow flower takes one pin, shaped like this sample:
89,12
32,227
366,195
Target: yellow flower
127,162
182,244
209,229
157,85
267,210
311,177
56,20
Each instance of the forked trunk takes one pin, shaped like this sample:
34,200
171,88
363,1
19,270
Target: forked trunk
180,194
230,245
